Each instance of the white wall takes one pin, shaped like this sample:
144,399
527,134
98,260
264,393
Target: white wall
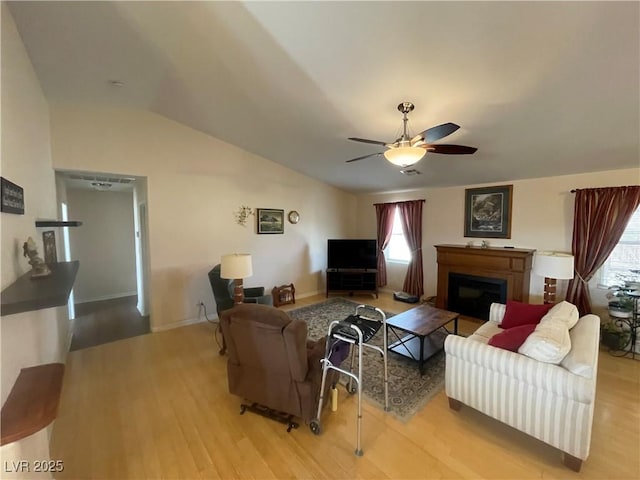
542,219
26,151
28,338
194,184
38,337
104,244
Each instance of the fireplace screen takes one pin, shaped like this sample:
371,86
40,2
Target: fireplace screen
472,295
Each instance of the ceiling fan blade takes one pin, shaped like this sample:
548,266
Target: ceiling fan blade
436,133
451,149
364,140
364,156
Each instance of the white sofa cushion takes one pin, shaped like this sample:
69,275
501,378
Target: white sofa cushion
549,343
580,360
563,312
485,332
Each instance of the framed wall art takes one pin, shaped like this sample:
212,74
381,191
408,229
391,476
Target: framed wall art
50,252
487,212
12,197
270,220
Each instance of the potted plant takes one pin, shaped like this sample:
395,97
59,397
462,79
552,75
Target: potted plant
620,302
613,337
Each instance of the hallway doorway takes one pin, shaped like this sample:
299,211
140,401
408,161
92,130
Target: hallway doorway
110,291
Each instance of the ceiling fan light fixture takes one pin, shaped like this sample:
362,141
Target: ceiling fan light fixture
404,156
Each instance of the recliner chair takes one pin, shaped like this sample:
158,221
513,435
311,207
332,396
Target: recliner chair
223,294
272,364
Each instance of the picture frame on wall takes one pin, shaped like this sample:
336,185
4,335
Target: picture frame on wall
12,197
270,220
49,243
487,212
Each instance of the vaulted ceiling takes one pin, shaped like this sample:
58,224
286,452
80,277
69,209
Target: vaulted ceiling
540,88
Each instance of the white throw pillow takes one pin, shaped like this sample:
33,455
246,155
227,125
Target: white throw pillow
549,342
563,311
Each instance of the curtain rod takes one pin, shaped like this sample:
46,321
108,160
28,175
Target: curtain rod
603,188
403,201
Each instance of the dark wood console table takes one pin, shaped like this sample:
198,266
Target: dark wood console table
352,280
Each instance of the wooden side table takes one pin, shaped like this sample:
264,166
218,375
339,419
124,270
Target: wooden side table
283,295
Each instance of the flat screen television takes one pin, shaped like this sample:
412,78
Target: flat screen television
352,254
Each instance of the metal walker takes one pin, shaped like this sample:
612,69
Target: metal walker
355,330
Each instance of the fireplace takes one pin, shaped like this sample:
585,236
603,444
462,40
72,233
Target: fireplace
472,295
505,273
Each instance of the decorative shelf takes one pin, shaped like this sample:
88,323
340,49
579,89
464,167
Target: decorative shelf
57,223
27,294
32,403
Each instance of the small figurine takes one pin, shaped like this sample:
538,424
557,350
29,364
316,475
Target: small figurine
40,269
485,244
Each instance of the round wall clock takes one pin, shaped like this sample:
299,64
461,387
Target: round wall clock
294,217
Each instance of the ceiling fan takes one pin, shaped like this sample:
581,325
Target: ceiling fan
406,151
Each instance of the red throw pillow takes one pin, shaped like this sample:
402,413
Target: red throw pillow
512,338
518,313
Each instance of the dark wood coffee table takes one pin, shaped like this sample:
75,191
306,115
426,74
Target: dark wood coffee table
424,325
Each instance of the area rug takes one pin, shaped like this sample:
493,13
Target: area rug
408,390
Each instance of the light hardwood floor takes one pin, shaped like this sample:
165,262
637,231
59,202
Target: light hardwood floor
157,406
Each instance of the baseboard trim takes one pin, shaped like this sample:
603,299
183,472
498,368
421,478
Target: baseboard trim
108,297
309,294
181,323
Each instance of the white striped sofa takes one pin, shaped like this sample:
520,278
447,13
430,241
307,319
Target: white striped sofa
553,403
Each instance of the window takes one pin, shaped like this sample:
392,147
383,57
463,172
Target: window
625,256
398,250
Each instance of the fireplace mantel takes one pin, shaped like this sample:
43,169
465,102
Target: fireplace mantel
511,264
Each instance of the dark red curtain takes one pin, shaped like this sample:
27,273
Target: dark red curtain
411,218
600,217
384,215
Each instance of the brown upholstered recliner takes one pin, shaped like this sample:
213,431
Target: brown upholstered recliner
271,363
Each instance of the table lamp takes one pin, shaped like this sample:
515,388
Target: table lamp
236,266
552,266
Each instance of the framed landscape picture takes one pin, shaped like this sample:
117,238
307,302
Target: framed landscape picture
487,212
270,220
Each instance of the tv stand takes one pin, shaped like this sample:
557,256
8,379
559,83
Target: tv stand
352,280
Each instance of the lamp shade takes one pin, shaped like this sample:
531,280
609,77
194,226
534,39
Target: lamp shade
554,265
236,265
404,156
